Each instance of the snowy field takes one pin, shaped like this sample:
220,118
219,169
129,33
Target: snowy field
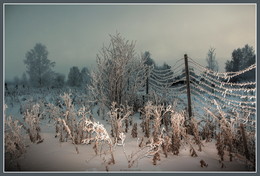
52,155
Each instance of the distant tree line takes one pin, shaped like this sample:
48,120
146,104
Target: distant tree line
241,59
39,69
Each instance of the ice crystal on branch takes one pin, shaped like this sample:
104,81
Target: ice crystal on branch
120,73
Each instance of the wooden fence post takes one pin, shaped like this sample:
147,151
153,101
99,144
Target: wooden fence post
188,85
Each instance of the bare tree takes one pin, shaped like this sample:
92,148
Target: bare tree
211,60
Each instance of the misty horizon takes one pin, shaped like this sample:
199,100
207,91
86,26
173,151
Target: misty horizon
74,34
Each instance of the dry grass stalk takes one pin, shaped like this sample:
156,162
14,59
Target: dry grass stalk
166,145
14,145
194,127
32,119
220,146
225,137
150,149
177,121
134,131
117,116
208,131
100,138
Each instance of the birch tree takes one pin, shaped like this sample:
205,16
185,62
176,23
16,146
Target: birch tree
39,67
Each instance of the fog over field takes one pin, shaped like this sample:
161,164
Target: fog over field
74,34
130,88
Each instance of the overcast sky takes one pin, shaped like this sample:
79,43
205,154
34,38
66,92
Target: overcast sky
74,34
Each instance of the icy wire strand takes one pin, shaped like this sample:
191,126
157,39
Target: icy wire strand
177,62
168,69
249,123
166,89
161,78
154,81
170,81
168,75
211,107
226,74
181,66
215,81
205,104
229,103
160,85
225,92
167,84
224,99
223,105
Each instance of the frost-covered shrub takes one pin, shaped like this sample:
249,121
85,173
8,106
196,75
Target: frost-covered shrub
146,117
101,139
233,137
177,121
26,105
14,145
166,145
134,131
119,74
195,130
117,116
69,121
32,120
208,131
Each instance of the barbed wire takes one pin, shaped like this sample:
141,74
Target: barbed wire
228,103
224,75
233,109
221,84
203,81
223,92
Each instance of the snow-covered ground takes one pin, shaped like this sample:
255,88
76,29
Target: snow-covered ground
54,156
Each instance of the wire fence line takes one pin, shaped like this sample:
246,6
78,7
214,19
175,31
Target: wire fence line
207,86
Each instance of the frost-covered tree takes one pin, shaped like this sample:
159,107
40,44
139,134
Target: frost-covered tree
39,67
24,80
212,64
59,80
149,60
74,77
85,76
241,59
119,74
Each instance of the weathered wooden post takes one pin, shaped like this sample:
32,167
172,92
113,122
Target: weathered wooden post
188,85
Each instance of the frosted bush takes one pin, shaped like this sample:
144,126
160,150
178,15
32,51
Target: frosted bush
32,120
14,145
117,117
